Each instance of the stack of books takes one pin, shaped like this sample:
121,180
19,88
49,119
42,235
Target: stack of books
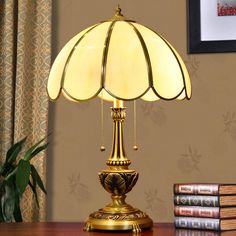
205,206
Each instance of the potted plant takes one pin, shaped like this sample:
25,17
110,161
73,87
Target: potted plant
16,173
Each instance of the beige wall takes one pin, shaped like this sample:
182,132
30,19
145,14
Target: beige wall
178,141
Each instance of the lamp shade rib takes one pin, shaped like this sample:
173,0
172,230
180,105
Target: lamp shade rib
119,59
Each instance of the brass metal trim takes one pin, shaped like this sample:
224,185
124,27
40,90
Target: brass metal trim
186,95
71,53
167,43
126,99
81,100
118,114
146,54
135,226
118,163
168,99
145,49
105,52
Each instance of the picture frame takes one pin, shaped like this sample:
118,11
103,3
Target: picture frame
198,21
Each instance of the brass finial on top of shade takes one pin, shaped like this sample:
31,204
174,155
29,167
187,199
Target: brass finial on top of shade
118,15
118,11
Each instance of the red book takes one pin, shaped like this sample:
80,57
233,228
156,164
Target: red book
205,189
205,212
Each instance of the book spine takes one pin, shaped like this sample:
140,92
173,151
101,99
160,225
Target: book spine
189,232
192,200
197,211
197,223
201,189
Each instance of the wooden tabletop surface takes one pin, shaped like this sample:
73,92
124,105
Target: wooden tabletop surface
76,229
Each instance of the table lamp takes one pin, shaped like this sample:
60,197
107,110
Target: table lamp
118,60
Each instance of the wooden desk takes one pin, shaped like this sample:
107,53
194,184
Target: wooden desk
76,229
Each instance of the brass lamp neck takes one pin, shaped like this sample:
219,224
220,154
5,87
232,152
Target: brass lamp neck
118,159
118,103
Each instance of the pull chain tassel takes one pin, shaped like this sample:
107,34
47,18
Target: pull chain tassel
102,147
135,146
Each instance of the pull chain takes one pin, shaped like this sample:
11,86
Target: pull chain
135,147
102,147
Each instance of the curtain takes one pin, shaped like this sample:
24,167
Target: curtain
25,57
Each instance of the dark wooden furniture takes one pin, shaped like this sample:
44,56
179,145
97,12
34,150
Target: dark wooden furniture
76,229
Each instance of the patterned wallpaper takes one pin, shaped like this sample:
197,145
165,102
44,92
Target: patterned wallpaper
187,141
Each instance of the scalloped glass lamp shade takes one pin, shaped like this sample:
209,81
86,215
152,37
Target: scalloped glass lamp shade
119,59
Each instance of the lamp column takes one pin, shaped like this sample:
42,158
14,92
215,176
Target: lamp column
118,159
118,180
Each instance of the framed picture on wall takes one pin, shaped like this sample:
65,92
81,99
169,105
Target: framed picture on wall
211,26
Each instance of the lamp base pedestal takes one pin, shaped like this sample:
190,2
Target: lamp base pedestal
134,220
118,180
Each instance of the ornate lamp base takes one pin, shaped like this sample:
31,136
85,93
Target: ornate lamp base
118,215
134,220
118,180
